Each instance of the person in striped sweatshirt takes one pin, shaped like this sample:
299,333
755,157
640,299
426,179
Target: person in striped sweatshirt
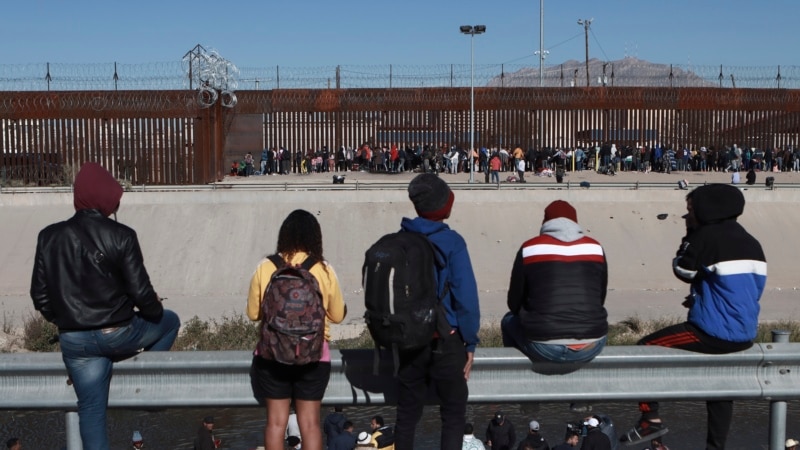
557,292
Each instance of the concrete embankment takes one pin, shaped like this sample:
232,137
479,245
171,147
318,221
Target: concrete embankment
201,247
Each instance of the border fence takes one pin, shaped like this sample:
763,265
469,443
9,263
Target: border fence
146,135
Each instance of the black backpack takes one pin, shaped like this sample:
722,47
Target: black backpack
401,295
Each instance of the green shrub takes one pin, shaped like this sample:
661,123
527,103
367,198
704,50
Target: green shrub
40,335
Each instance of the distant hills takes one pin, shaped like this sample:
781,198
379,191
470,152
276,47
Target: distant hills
628,71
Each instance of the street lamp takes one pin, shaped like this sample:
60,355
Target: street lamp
586,23
472,31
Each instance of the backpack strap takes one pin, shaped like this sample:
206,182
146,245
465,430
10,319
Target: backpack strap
279,262
309,262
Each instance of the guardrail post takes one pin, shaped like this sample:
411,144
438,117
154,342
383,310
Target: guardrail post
777,409
73,431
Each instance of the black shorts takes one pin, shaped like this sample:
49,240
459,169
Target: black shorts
276,381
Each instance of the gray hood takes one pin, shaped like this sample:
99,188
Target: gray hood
562,229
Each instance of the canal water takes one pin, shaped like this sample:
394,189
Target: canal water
242,428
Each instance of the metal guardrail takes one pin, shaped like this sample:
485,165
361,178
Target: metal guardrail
181,379
631,373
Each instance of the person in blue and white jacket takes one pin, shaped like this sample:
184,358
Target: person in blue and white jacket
727,271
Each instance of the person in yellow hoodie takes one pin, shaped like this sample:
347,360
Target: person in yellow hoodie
299,237
382,435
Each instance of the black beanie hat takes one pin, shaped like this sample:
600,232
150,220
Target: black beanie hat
431,196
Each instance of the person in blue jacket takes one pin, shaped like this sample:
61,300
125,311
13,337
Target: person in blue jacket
727,271
447,361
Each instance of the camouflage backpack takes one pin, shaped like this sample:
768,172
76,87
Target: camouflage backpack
292,315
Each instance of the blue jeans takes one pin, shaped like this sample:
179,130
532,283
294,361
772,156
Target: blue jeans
89,355
513,336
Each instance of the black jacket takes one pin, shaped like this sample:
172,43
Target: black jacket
502,436
595,439
558,284
71,289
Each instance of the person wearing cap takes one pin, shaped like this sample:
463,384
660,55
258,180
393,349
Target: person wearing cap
137,442
89,279
792,444
447,361
595,439
364,441
500,432
726,269
557,292
534,440
205,435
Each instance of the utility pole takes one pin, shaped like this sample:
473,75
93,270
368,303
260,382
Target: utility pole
586,23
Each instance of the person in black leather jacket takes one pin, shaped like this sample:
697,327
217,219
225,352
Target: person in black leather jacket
89,280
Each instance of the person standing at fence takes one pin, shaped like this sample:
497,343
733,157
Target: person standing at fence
727,271
280,385
89,279
557,292
447,361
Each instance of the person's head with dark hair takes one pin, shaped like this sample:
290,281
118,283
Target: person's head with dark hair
376,422
300,232
469,429
573,437
348,425
13,444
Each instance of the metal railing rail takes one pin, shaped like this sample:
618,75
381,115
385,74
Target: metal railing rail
630,373
181,379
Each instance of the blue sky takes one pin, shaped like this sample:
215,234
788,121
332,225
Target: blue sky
313,33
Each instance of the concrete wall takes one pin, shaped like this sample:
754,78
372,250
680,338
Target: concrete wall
201,247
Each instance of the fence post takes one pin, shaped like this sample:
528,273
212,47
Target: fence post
777,409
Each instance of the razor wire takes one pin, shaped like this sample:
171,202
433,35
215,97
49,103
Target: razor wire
210,70
214,76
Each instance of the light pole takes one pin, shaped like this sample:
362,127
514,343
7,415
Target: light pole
586,23
472,31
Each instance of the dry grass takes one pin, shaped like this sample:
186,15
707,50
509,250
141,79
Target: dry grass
239,333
